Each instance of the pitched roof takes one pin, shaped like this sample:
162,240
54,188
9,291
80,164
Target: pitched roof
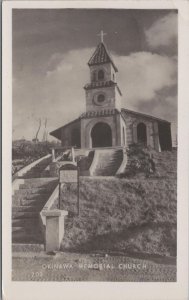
57,132
101,56
124,110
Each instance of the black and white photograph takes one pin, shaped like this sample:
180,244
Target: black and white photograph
94,145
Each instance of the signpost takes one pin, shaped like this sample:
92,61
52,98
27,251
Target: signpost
69,173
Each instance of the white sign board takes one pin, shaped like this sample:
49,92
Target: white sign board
68,176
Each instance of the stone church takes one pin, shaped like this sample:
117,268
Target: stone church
105,123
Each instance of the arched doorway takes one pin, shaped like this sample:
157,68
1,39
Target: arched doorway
141,134
101,135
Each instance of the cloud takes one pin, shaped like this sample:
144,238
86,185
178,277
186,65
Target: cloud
142,74
59,95
66,80
162,32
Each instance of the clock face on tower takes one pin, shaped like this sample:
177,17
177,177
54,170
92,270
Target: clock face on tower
100,99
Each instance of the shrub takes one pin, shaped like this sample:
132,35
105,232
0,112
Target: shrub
140,160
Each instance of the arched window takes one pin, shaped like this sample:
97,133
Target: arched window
141,134
100,98
100,75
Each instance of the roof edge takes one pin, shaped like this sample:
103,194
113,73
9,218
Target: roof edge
67,124
145,115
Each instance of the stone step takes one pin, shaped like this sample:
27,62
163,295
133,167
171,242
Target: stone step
107,168
34,230
28,208
34,175
105,173
38,169
24,215
38,182
17,199
33,202
45,186
108,163
25,248
25,192
33,222
24,237
46,173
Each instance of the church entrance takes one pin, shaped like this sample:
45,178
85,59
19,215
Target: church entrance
141,134
101,135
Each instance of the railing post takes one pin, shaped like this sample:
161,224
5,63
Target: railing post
73,155
54,229
53,154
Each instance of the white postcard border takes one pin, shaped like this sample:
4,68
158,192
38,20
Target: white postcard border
99,290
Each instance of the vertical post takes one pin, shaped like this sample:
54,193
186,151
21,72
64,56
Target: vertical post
59,195
73,155
78,204
54,231
53,155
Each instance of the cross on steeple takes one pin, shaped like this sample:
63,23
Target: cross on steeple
101,34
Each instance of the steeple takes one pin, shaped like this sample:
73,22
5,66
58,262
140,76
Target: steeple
102,92
101,56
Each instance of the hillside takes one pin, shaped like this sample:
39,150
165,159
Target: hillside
25,152
131,215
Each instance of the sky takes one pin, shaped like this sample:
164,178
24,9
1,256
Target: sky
51,49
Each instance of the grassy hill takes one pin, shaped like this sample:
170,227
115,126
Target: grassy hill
135,214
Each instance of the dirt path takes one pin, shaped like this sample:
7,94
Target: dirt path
82,267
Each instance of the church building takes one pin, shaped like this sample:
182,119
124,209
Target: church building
105,123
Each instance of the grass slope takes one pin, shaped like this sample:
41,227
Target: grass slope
132,215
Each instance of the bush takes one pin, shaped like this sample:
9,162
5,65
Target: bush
30,149
25,152
140,160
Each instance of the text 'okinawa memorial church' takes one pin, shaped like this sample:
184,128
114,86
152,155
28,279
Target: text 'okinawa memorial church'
105,123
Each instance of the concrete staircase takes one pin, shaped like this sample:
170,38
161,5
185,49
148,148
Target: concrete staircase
108,162
39,170
27,204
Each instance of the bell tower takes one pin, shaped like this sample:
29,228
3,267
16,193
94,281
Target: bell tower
102,93
102,124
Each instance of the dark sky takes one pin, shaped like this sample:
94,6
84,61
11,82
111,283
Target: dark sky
51,48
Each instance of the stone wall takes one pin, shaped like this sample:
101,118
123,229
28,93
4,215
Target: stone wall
133,120
109,73
112,99
114,121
